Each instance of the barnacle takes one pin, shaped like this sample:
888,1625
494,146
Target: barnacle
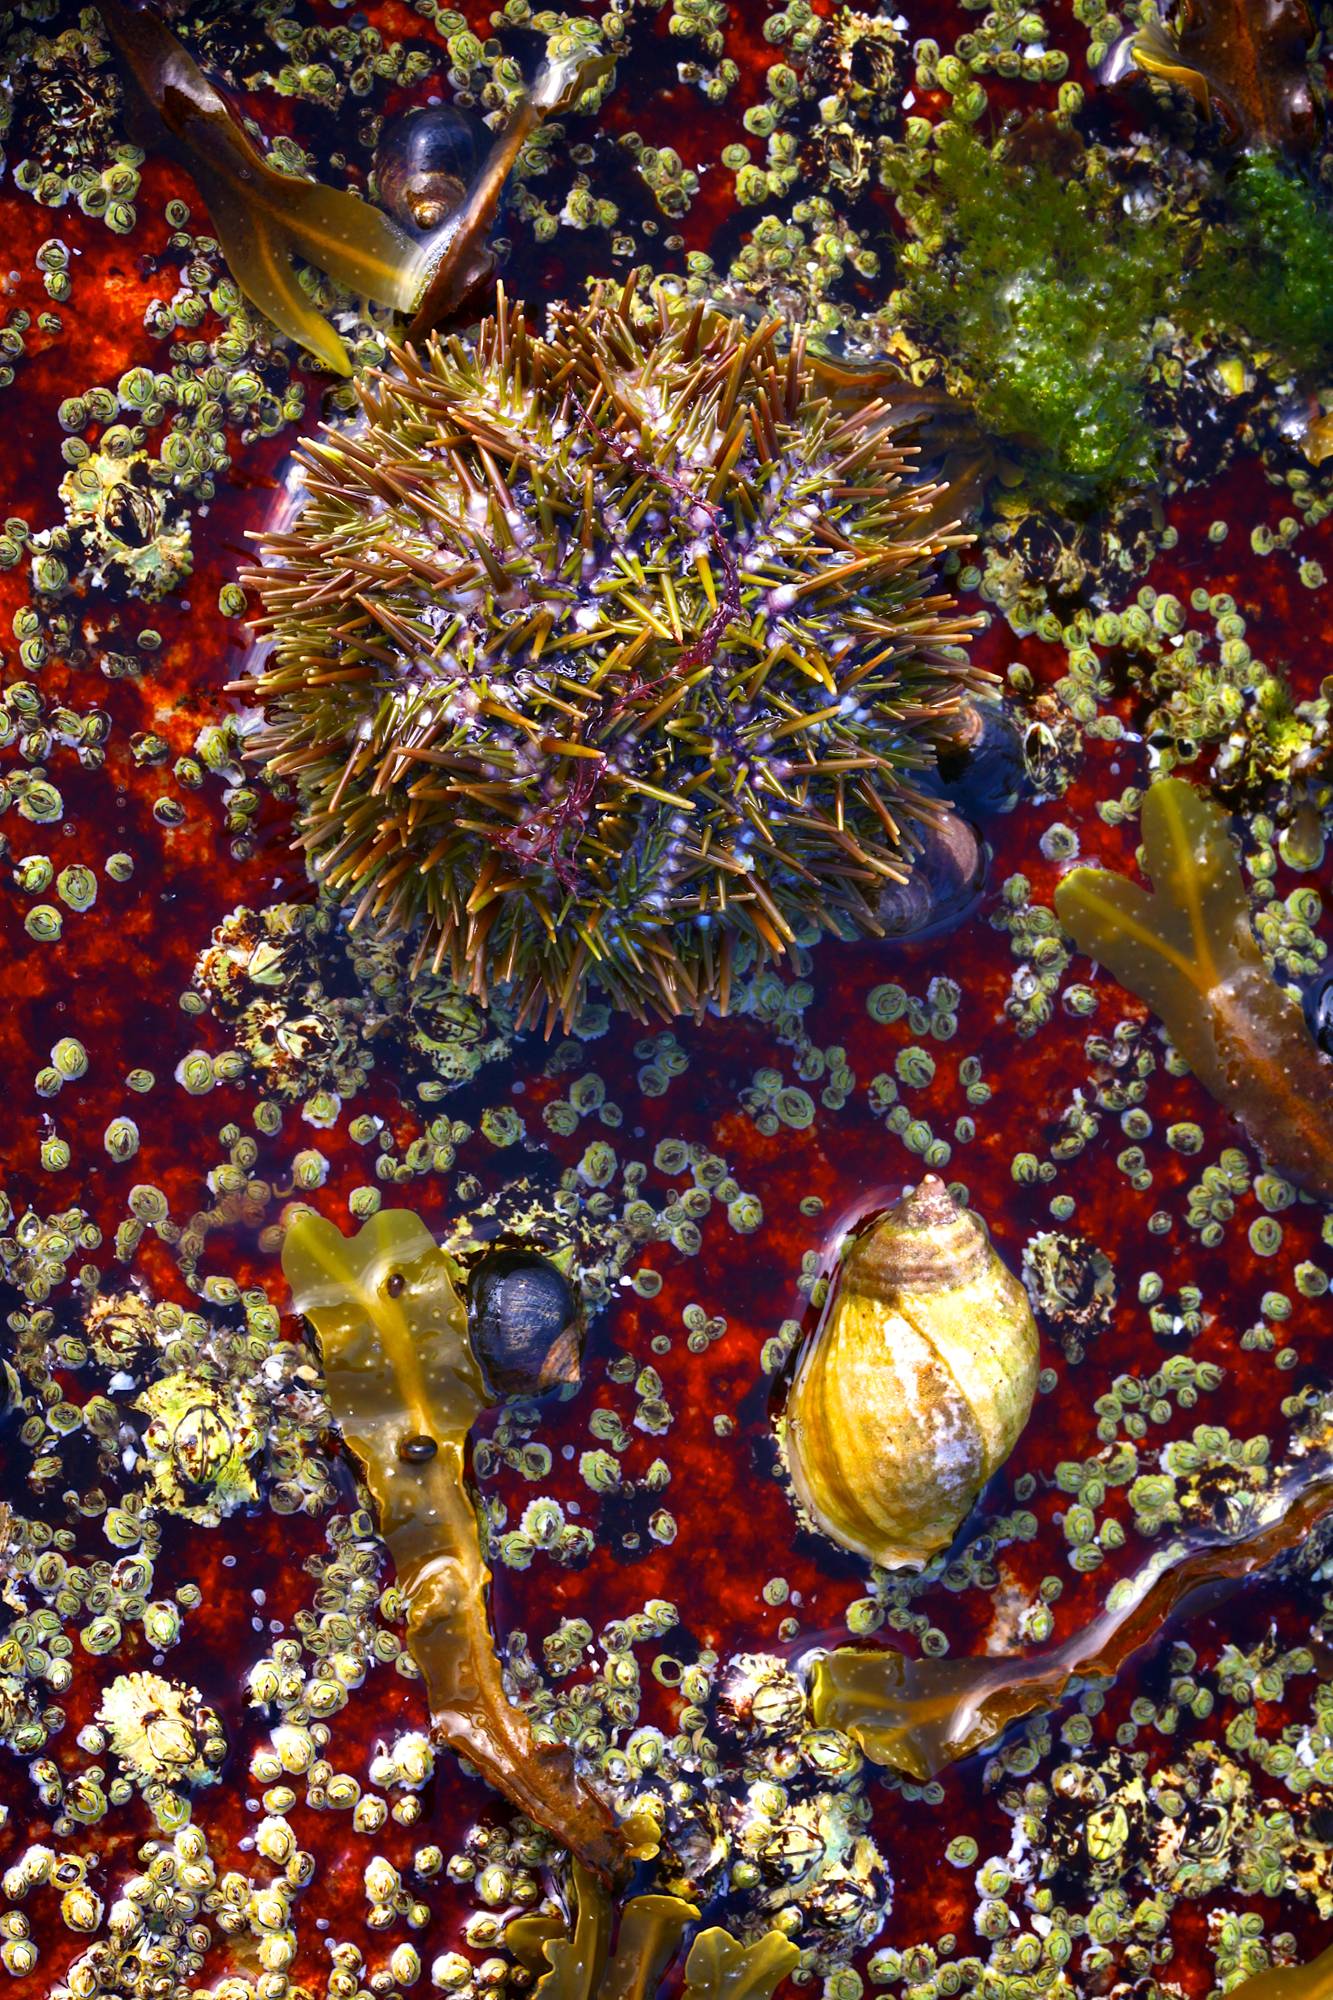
160,1730
199,1444
261,216
600,652
1188,950
126,530
401,1377
1071,1284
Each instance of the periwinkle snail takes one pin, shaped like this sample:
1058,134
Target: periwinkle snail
426,161
915,1386
980,756
525,1323
945,880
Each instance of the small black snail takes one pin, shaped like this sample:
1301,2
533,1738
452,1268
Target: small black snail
945,880
525,1323
980,758
426,161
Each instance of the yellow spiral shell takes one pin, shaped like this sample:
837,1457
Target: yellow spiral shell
915,1386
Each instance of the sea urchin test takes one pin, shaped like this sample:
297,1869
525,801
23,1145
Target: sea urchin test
598,653
915,1386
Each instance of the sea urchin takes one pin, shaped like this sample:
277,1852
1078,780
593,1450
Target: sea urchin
595,653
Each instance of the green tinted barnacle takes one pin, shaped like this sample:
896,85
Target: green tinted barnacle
745,1214
41,803
502,1125
268,1117
913,1066
70,1058
77,887
195,1074
1059,842
55,1155
1274,1193
43,923
598,1165
1185,1138
33,874
121,1139
886,1004
140,1080
1266,1236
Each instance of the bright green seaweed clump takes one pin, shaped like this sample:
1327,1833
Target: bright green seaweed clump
1042,292
1267,271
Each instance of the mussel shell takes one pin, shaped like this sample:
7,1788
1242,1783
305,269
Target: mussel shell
527,1330
946,878
980,757
426,161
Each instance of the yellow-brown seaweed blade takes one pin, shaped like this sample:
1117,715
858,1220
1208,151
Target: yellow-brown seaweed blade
650,1932
575,1965
919,1716
1189,952
1292,1982
1154,52
256,255
398,1365
262,217
718,1968
358,245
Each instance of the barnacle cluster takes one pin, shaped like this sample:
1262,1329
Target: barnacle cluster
595,653
267,974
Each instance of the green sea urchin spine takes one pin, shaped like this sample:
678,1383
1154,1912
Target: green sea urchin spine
594,651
